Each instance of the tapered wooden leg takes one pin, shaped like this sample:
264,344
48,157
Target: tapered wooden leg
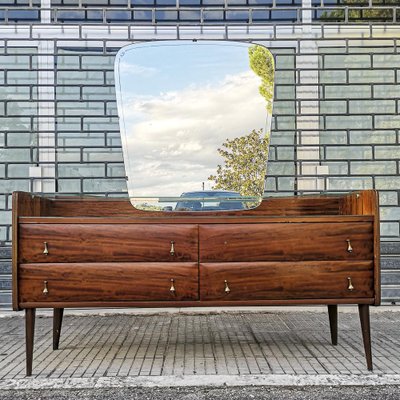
29,332
57,323
363,310
333,322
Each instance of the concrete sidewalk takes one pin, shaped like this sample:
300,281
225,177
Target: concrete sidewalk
188,348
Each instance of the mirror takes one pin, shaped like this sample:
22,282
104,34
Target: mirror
195,122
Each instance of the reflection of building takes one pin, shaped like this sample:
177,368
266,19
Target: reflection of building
336,111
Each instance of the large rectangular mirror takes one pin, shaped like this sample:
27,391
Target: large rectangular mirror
195,121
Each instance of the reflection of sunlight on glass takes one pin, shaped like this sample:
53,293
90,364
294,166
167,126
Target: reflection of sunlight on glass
180,119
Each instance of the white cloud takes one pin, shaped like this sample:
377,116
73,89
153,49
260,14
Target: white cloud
135,69
173,139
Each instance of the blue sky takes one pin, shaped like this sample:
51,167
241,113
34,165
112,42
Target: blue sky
162,67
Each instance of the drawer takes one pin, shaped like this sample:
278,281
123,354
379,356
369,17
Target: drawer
107,242
286,280
286,241
108,282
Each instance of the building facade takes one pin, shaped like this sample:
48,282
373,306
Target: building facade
336,116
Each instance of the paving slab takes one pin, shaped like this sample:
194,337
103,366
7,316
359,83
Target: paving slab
236,348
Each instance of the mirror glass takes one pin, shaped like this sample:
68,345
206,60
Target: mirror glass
195,121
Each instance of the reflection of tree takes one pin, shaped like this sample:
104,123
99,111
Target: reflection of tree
245,157
18,121
245,162
361,15
262,63
148,207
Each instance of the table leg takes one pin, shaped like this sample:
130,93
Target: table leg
30,333
57,323
333,322
363,310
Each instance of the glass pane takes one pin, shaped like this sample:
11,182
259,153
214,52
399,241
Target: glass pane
195,120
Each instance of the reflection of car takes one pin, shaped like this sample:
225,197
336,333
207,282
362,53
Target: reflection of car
209,200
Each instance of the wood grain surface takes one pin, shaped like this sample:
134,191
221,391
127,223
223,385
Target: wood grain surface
286,242
108,282
107,242
197,219
366,202
23,204
299,232
285,280
195,303
112,207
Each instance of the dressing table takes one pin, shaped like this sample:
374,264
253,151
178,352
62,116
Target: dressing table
86,252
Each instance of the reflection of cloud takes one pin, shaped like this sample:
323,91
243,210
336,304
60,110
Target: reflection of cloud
136,69
173,139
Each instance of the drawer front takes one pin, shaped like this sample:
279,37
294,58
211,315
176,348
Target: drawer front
107,242
286,242
108,282
286,280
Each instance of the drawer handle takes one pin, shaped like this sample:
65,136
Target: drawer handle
46,250
227,290
349,248
172,288
172,251
350,286
45,289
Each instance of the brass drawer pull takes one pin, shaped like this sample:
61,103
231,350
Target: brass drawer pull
349,248
172,288
172,251
350,286
227,290
45,289
46,250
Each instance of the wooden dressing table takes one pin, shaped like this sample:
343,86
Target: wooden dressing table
93,252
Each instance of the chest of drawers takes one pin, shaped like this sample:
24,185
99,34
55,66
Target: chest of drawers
95,253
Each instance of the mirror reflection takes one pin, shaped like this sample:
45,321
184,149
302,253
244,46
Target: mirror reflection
195,122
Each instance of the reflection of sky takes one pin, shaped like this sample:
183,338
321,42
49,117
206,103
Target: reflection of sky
159,68
180,103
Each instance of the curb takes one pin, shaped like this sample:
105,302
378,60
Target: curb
201,381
